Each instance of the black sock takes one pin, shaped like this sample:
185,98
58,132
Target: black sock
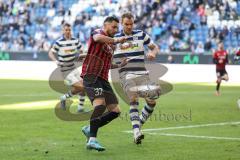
108,117
95,119
218,86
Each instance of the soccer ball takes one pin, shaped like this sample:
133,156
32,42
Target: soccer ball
150,91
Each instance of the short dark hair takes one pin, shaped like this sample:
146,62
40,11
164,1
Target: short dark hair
128,15
66,25
111,19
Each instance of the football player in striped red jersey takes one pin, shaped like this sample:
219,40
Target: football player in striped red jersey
220,58
95,71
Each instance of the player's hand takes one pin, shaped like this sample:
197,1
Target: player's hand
124,62
120,39
151,56
123,39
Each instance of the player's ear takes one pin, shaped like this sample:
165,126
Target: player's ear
105,25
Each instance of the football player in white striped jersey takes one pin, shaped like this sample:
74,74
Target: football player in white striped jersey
67,49
134,77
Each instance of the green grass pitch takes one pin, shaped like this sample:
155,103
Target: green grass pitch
30,130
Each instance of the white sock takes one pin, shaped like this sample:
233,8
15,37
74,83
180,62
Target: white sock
135,131
146,113
81,102
134,116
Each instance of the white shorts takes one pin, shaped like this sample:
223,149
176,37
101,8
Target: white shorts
73,77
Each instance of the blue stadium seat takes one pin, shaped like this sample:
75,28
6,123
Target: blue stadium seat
200,34
234,43
192,33
228,37
238,8
233,37
227,43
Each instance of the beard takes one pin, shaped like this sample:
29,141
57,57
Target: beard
110,34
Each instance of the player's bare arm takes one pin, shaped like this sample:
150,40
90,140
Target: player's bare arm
81,55
51,55
154,50
105,39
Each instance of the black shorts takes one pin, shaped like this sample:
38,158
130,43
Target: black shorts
97,87
221,72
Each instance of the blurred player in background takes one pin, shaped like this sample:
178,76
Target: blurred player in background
134,74
95,71
220,58
67,49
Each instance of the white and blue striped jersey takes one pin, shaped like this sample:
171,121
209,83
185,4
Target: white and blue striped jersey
138,40
66,51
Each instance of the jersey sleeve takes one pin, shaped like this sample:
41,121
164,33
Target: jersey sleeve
95,32
79,45
147,39
55,47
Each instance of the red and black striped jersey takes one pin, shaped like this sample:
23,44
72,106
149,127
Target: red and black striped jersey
221,59
99,57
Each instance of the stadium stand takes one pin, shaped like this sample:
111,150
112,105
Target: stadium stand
176,25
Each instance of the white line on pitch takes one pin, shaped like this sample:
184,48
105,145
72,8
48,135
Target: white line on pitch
26,95
194,136
190,126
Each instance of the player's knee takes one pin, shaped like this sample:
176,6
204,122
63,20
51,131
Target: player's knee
78,87
116,110
133,98
99,101
113,108
226,78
